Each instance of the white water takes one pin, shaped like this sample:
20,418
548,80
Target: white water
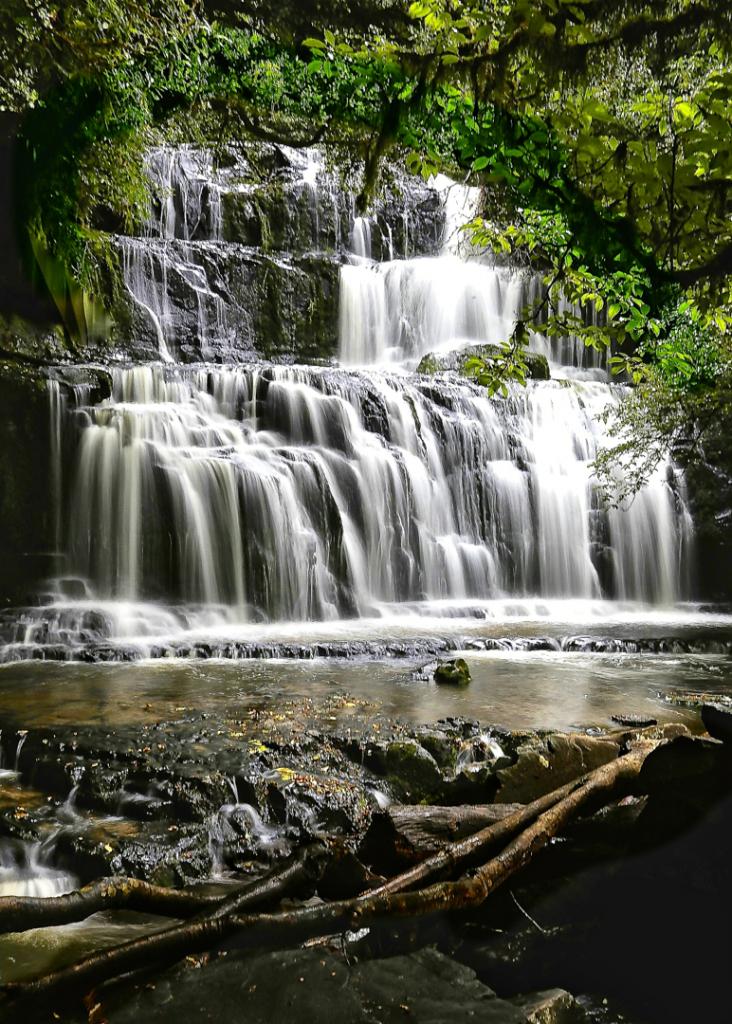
394,312
25,870
201,498
302,493
186,212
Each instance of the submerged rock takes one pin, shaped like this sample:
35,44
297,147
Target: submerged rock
637,721
453,673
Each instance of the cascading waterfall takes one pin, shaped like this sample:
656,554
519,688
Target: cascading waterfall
306,493
396,311
262,493
187,211
189,198
57,412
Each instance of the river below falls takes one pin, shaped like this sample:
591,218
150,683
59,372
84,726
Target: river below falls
558,690
541,689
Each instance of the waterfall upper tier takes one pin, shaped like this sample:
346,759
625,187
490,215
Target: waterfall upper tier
239,258
262,255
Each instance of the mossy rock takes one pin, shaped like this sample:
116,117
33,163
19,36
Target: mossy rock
452,673
456,360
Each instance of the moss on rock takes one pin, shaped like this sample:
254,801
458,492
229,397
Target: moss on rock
456,361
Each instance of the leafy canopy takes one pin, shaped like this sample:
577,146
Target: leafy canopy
600,131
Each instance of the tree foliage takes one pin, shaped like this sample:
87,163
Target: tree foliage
43,42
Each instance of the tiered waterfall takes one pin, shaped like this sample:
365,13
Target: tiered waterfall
250,490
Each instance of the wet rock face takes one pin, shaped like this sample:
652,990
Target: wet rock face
253,305
25,474
173,802
554,1006
240,259
717,719
176,801
709,482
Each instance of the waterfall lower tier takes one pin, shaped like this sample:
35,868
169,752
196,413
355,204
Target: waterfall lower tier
293,493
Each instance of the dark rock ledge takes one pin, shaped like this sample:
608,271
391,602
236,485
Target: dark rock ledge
177,801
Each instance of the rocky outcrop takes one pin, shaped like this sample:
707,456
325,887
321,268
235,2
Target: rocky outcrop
253,305
172,801
458,361
424,987
709,485
240,257
26,536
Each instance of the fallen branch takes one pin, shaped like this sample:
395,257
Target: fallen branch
285,929
464,852
23,913
20,913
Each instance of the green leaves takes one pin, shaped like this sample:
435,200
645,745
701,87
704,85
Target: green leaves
614,172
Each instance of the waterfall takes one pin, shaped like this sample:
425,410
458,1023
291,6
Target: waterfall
186,195
311,493
57,409
396,312
249,492
25,871
185,213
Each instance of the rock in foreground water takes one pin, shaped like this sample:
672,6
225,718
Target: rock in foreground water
453,673
717,719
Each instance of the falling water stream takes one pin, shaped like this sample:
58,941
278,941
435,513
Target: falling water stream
206,497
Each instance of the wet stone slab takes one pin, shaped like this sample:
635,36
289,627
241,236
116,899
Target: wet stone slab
309,985
206,795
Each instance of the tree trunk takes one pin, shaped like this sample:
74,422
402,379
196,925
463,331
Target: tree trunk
407,833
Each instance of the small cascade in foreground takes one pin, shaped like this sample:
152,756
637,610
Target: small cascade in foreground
26,870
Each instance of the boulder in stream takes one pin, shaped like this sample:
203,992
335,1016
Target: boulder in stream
717,719
453,673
